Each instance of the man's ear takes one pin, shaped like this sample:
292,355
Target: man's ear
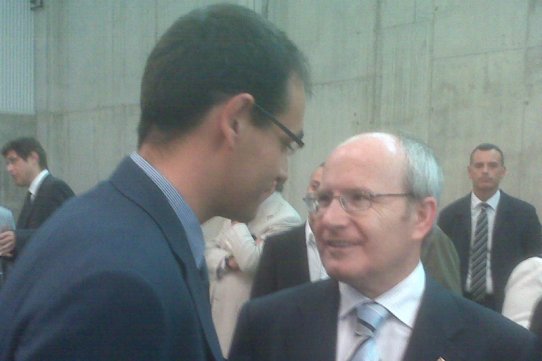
33,157
234,116
426,212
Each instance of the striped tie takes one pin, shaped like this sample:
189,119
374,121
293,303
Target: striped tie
370,317
478,256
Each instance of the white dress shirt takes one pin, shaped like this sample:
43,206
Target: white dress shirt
36,183
316,268
402,301
475,209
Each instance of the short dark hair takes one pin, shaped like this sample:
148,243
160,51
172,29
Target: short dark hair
23,147
209,55
487,146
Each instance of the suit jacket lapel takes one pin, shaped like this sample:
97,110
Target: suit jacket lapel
314,335
462,239
434,330
299,262
134,183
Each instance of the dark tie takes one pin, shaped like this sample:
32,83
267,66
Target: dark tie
371,316
25,211
478,257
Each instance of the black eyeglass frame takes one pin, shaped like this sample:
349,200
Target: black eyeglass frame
278,123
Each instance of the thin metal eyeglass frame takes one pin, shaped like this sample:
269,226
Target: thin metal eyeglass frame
341,200
279,124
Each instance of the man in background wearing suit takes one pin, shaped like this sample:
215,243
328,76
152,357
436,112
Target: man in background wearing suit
27,164
290,258
511,236
119,272
376,204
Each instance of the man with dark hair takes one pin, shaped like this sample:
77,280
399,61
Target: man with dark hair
119,273
376,204
27,164
491,230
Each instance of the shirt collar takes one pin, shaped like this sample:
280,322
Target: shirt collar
309,235
36,183
183,211
492,202
403,300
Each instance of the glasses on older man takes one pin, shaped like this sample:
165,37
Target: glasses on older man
351,202
297,142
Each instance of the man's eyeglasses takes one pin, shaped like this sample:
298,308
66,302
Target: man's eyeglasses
351,202
292,147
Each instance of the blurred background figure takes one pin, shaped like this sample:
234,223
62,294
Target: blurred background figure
523,291
291,258
440,259
7,223
491,230
233,256
26,163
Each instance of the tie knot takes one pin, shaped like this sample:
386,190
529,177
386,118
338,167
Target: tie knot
371,315
484,206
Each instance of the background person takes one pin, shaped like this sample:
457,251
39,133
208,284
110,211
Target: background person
290,258
233,256
26,163
512,233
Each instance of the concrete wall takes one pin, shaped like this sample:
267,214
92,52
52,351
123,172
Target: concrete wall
453,72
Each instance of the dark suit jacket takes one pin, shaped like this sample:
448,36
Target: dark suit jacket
109,277
283,262
516,236
300,324
50,196
536,320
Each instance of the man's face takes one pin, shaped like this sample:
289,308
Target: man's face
374,249
22,171
486,171
262,160
314,185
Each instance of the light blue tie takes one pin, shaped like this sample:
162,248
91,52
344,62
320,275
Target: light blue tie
371,316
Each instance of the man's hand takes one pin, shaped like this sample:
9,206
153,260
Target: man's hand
7,243
232,264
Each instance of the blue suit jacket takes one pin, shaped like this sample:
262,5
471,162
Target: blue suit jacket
300,324
516,237
109,277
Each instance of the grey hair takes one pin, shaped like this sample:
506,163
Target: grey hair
424,177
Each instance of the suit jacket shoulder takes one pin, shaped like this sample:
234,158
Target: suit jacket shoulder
289,325
51,194
122,251
283,262
454,328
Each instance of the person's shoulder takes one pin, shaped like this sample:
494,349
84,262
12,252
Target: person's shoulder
287,235
490,324
515,202
303,294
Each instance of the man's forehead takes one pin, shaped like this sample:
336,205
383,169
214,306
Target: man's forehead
486,155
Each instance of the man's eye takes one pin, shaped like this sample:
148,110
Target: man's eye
357,198
324,200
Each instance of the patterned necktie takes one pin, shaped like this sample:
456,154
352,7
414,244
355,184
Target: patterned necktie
371,316
478,256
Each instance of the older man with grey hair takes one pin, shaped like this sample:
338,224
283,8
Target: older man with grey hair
377,202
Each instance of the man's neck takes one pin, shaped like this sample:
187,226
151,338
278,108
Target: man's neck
484,195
